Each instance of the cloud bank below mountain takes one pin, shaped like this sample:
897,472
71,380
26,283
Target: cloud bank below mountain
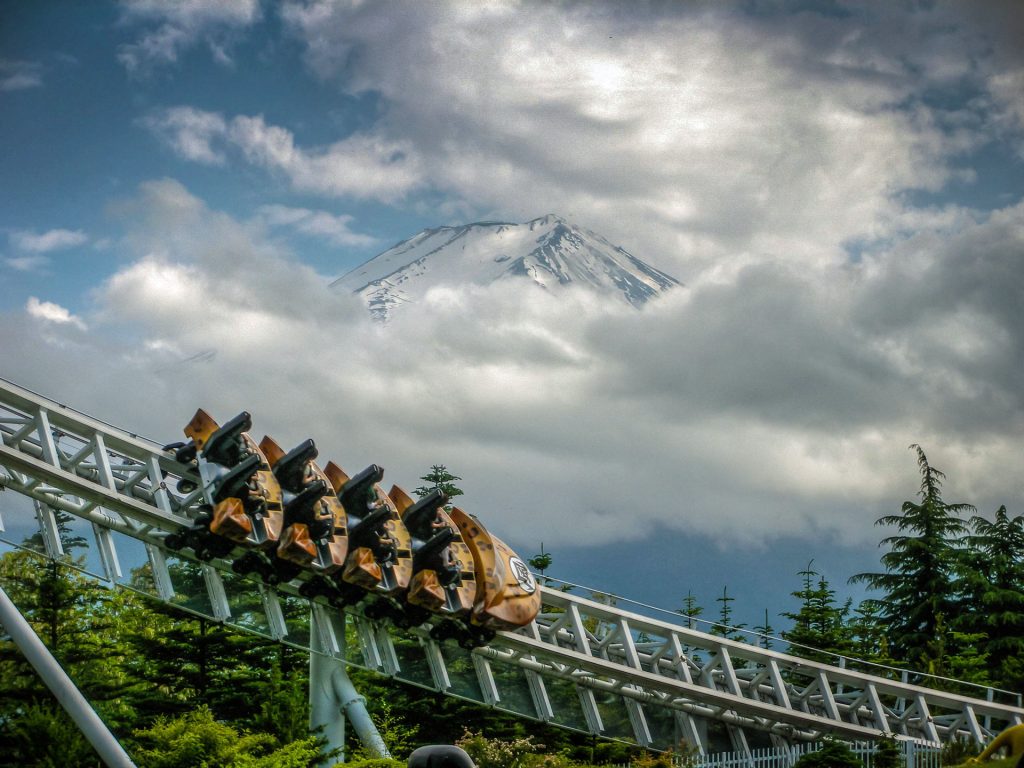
763,400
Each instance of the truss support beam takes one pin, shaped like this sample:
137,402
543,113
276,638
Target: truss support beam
611,659
56,679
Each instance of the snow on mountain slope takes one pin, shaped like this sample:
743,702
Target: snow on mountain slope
549,250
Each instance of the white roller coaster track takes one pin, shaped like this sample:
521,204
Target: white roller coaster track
582,664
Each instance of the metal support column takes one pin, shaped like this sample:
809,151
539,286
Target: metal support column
56,679
332,697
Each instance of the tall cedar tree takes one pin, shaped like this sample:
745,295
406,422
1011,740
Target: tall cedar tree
993,582
920,567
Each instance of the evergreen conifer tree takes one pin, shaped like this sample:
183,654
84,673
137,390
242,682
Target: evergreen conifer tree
993,583
918,583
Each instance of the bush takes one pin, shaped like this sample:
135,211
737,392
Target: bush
197,739
957,751
835,754
497,753
887,754
374,762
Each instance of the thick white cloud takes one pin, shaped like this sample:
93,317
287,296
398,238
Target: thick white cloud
180,24
51,240
49,312
692,132
766,400
361,166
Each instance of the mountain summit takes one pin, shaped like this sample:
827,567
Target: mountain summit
549,251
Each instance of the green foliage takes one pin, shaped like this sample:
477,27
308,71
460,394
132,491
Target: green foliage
398,734
683,756
959,751
920,566
725,626
820,626
540,562
374,762
77,619
197,739
439,477
834,754
765,631
499,753
43,735
887,754
691,610
992,582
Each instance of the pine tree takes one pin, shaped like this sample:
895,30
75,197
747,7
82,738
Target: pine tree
993,583
765,631
181,661
541,562
867,636
725,626
920,566
819,628
77,619
440,478
691,609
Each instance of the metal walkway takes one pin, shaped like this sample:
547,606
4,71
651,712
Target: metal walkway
582,664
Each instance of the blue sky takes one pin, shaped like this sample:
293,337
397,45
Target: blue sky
838,185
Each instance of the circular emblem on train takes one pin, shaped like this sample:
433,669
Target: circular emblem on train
523,575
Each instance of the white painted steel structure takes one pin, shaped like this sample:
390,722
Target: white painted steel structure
582,664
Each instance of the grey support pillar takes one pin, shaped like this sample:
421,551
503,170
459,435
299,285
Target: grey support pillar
323,706
56,679
332,697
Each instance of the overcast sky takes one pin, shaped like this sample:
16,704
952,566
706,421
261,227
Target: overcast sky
838,185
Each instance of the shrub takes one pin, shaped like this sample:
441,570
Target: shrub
497,753
887,754
374,762
834,754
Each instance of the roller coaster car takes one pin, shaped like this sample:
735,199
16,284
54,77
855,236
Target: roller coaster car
246,497
507,596
315,533
444,574
379,547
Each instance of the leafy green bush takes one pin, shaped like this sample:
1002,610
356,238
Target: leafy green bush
197,740
887,754
957,751
499,753
834,754
375,762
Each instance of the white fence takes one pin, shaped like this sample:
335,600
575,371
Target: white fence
915,755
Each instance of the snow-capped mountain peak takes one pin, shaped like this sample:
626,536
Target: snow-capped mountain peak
549,250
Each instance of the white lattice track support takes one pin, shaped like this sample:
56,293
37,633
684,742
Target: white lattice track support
579,656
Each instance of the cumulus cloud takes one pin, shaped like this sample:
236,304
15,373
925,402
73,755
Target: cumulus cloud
33,263
693,132
49,312
362,166
51,240
20,75
191,133
762,401
335,229
176,25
